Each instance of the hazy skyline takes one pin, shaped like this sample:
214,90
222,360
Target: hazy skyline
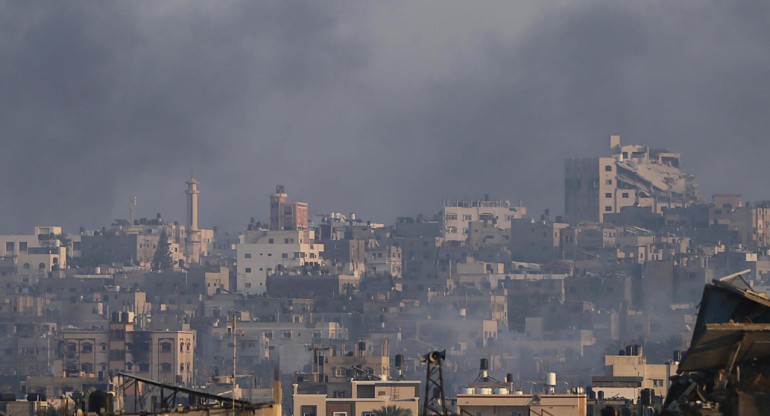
374,108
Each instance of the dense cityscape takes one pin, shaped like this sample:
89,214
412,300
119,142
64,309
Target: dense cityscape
331,314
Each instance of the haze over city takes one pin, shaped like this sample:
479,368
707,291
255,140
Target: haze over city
306,208
380,109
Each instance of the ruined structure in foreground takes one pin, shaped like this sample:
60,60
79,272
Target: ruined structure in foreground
726,370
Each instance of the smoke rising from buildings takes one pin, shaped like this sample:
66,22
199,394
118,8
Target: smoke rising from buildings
384,110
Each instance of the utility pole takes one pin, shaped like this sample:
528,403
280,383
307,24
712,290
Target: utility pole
234,343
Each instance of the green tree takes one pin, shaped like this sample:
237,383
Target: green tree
392,411
162,259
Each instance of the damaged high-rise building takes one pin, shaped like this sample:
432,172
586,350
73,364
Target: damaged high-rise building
633,176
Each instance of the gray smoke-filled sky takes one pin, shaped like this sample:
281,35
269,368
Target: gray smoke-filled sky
379,108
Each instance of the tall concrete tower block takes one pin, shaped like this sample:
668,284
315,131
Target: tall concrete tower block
276,200
192,203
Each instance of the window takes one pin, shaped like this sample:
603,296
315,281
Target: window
9,246
165,347
285,255
624,195
26,266
86,347
41,266
165,368
247,255
451,217
340,413
608,195
308,411
608,168
22,246
287,334
270,241
248,270
608,208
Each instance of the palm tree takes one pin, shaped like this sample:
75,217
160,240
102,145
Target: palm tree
392,411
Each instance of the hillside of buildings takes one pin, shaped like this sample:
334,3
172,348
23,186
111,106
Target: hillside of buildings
603,295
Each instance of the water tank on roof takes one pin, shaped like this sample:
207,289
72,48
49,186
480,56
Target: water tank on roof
550,379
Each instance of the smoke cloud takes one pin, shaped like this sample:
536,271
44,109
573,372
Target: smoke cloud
383,110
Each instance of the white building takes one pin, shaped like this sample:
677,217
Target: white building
36,254
457,215
264,252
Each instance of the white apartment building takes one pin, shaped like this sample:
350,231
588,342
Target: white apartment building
457,216
265,252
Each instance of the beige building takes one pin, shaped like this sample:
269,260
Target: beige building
751,222
457,216
263,252
506,404
163,356
36,255
626,375
355,398
632,176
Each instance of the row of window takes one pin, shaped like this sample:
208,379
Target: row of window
11,246
297,255
285,241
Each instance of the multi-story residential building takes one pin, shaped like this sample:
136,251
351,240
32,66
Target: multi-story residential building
346,256
383,260
632,176
751,222
485,233
283,342
117,247
355,384
35,256
312,286
628,373
356,397
457,216
264,252
536,241
164,356
586,239
420,256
